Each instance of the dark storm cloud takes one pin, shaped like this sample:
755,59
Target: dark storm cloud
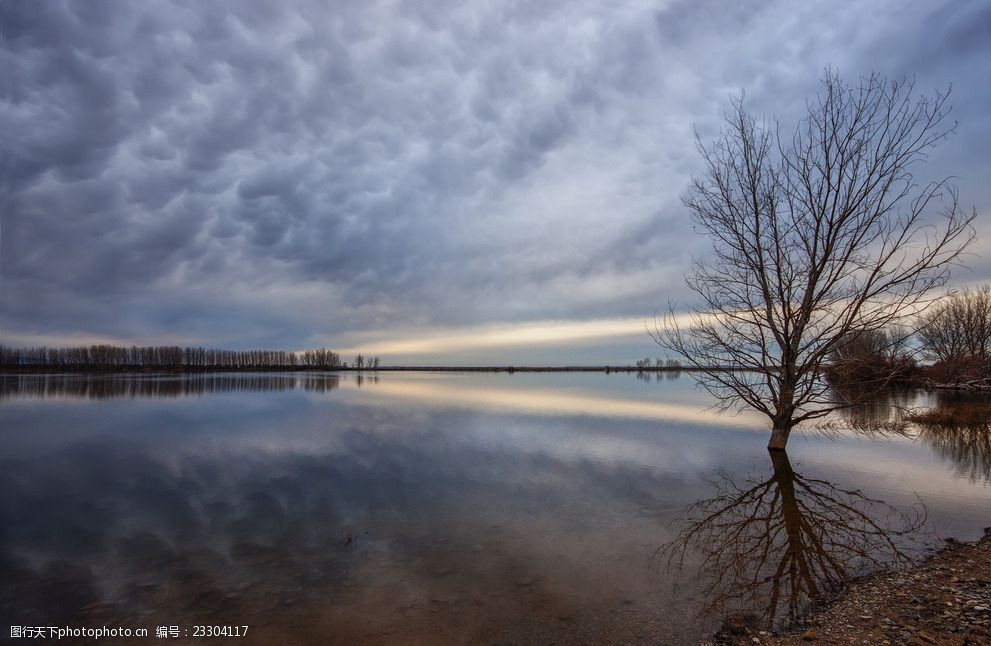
247,172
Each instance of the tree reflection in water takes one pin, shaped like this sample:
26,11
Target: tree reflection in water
967,447
871,413
959,430
770,546
131,385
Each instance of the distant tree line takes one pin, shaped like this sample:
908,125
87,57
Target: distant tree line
320,358
658,364
109,357
361,362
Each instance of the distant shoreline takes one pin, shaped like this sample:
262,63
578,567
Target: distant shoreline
381,369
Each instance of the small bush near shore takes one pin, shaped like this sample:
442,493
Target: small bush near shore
959,370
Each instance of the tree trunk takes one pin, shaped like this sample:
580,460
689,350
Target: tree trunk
779,437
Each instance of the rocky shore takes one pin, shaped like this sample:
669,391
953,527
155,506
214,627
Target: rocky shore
945,599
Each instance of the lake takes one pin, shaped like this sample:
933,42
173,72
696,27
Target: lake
448,507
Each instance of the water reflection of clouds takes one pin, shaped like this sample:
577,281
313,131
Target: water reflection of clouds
478,510
968,448
899,469
176,529
551,402
402,389
279,423
966,444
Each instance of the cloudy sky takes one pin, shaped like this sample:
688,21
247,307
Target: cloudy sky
432,181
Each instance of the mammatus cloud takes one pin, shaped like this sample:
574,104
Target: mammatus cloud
250,174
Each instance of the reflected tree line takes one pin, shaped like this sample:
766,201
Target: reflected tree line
959,430
968,448
109,357
667,375
181,547
110,386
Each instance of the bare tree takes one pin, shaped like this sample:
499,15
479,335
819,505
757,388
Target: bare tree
817,234
958,328
865,361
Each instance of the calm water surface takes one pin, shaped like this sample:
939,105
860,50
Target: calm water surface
446,508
